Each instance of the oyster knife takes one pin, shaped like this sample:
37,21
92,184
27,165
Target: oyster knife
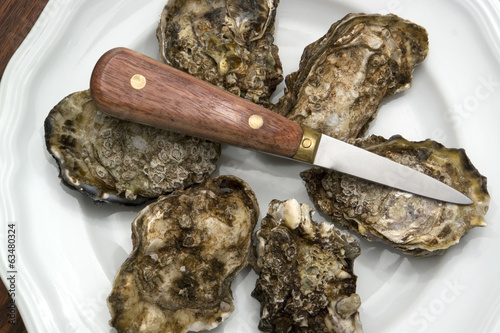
132,86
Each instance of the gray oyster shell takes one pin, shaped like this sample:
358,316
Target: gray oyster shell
228,43
306,281
187,249
415,225
344,76
114,160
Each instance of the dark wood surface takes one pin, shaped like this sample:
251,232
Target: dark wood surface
16,20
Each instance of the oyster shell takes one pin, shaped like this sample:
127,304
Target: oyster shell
306,281
228,43
344,76
417,226
115,160
187,248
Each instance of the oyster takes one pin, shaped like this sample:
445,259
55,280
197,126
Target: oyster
187,248
228,43
344,76
306,281
417,226
119,161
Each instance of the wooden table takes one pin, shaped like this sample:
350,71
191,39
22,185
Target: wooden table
16,19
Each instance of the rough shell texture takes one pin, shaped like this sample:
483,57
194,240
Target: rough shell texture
344,76
306,281
187,248
228,43
119,161
417,226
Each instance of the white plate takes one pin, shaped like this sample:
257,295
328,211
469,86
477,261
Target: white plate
68,249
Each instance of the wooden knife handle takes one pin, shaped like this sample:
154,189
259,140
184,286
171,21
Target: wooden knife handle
132,86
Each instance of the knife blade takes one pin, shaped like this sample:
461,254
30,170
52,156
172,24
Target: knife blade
132,86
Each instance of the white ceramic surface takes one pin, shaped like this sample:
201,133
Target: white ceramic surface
69,249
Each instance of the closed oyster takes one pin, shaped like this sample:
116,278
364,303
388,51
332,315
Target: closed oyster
306,281
187,248
344,76
417,226
228,43
115,160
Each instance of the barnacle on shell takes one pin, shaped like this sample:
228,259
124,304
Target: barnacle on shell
416,225
306,281
344,76
228,43
187,249
114,160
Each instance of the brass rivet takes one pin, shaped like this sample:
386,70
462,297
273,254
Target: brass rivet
138,81
255,121
306,143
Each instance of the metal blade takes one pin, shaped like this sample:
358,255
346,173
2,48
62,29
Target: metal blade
340,156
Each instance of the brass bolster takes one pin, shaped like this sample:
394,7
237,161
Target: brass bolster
308,145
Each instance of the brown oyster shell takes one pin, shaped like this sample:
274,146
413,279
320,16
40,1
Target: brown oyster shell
344,76
114,160
306,281
415,225
228,43
187,249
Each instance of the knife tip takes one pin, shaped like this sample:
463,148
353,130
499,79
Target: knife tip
465,201
456,197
